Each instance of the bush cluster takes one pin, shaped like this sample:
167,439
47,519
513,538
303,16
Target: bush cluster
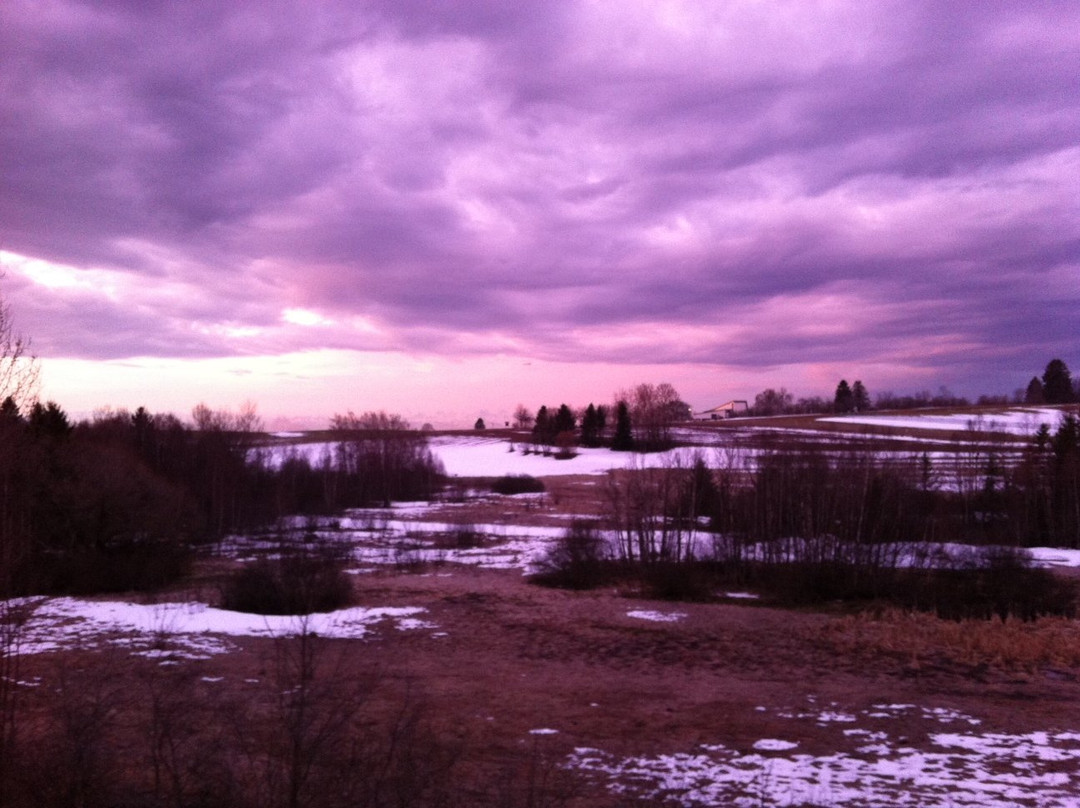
298,580
518,484
580,559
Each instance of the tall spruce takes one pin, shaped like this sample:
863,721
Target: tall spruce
1034,393
623,441
590,427
1057,383
564,420
845,399
860,399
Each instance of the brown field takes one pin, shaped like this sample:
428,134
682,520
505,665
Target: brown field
503,657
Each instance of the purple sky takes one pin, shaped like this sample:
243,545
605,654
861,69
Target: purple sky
447,208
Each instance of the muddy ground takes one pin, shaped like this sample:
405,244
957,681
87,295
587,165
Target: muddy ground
509,673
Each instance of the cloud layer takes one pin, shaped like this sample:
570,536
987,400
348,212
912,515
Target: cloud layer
739,185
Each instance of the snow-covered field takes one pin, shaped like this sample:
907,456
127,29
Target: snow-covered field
1015,421
482,456
495,457
401,535
872,765
491,457
182,630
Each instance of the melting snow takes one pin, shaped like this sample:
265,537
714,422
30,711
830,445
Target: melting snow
1019,421
656,617
988,770
773,745
185,630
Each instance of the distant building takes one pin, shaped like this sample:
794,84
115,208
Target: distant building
728,409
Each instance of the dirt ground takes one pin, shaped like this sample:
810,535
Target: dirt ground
501,658
504,658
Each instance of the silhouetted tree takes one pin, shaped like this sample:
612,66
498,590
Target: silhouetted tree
49,420
544,430
844,401
590,427
655,408
772,402
479,424
18,368
1034,393
564,420
860,399
384,458
9,410
522,417
623,441
1057,383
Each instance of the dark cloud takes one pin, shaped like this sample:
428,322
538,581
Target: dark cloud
571,178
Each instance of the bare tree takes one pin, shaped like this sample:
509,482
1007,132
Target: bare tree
522,417
654,409
385,457
18,367
772,402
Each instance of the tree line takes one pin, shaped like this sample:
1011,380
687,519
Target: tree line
119,501
642,418
820,524
1055,386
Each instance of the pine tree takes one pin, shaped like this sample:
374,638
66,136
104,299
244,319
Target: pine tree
1034,393
544,430
564,420
1057,383
590,427
845,400
624,436
9,410
860,398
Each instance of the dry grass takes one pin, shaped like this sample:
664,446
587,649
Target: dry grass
918,638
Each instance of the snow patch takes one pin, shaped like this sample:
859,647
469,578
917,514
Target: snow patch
774,745
989,770
186,630
656,617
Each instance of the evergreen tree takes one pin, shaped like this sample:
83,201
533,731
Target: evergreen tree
9,410
49,419
624,435
544,427
1034,393
860,398
564,420
479,424
590,427
845,399
601,420
1057,383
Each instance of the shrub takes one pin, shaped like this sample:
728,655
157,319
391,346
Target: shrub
518,484
985,582
996,582
579,559
310,578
